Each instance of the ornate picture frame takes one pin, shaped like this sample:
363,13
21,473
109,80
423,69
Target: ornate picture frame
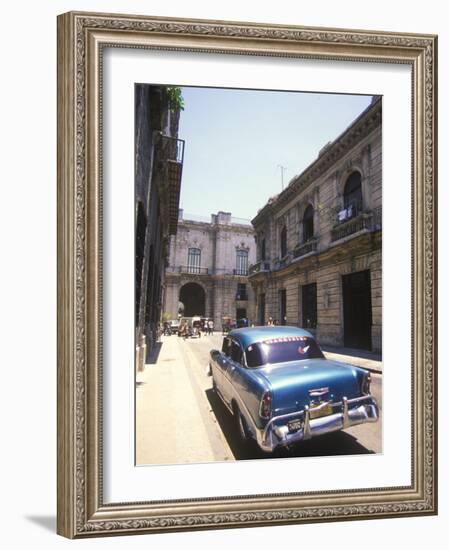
82,38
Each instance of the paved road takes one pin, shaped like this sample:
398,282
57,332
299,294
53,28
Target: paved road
363,439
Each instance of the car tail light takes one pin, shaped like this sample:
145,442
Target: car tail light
366,384
266,405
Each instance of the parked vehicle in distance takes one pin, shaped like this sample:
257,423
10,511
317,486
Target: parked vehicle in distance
281,389
170,327
190,327
196,327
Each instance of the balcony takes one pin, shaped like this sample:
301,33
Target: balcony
241,297
305,248
280,263
363,221
262,266
193,270
170,158
240,272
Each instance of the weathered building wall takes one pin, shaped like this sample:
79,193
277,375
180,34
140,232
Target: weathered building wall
343,257
156,200
218,240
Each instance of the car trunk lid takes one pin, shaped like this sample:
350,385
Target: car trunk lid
299,383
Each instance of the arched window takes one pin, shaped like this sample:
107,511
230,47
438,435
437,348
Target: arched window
283,241
194,260
352,195
307,223
242,262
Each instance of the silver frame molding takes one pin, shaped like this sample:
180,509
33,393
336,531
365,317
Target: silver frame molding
81,38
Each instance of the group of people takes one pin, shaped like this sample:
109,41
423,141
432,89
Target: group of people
208,327
197,328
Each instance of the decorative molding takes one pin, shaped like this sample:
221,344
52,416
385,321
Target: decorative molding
73,408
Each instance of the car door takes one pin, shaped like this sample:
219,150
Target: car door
219,365
230,368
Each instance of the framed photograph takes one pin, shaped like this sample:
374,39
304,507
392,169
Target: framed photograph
246,274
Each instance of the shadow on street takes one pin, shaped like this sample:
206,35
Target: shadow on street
154,354
336,443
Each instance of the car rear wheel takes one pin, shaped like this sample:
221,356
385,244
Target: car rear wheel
241,425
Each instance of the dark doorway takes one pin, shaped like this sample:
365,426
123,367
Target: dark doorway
309,306
283,309
283,240
262,309
193,297
307,224
262,250
357,310
141,227
240,313
352,195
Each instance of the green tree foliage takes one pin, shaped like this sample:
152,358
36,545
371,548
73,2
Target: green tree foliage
175,99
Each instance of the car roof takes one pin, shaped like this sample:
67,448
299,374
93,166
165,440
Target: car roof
251,335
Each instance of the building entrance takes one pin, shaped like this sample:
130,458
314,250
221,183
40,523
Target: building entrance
357,310
193,298
283,306
240,313
262,309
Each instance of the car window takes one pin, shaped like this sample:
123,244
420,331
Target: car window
236,352
226,346
280,350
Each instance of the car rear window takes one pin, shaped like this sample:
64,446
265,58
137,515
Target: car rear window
280,350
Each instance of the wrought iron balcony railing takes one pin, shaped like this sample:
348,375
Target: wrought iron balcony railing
242,296
369,221
193,270
305,248
280,263
241,272
260,267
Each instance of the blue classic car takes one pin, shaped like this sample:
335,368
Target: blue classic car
282,390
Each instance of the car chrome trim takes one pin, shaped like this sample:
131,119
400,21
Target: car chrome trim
307,433
345,412
276,432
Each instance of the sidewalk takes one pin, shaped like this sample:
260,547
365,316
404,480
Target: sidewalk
169,426
359,358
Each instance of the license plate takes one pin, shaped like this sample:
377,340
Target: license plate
320,409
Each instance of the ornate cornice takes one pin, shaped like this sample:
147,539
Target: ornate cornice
362,127
215,227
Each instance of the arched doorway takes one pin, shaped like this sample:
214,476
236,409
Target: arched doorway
193,297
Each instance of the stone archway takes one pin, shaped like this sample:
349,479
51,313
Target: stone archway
193,297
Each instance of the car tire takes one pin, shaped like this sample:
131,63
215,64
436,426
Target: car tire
241,425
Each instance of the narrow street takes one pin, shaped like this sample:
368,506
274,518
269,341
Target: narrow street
179,419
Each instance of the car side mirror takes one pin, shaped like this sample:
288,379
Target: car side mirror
214,353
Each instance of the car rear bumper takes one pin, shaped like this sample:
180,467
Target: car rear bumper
347,413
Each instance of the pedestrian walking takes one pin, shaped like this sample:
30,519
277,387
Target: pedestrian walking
210,327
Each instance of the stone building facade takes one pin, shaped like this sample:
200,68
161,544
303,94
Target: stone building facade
158,164
319,242
208,266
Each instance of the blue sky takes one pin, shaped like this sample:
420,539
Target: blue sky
236,140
